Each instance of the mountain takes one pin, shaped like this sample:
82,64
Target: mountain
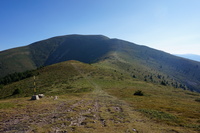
190,56
137,61
53,50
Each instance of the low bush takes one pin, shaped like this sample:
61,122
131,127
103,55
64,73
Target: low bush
139,93
197,100
16,91
1,86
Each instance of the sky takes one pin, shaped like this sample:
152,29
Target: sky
172,26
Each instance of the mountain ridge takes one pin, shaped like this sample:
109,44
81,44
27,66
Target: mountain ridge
136,60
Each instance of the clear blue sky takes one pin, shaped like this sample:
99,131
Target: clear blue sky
169,25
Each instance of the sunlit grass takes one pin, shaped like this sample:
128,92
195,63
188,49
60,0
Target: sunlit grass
163,104
161,108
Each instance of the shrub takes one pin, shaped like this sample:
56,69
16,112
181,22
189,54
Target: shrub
139,93
17,77
197,100
163,83
134,76
16,91
1,86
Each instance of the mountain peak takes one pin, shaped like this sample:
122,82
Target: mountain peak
143,62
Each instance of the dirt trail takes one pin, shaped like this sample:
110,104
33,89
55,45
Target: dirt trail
108,109
115,115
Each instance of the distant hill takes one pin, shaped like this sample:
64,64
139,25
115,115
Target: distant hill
190,56
137,61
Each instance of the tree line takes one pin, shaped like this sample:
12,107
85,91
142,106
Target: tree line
17,76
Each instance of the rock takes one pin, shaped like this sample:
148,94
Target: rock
56,97
134,130
35,97
83,123
41,95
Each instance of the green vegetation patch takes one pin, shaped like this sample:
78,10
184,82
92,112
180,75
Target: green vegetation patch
154,114
84,90
6,105
17,91
194,126
14,77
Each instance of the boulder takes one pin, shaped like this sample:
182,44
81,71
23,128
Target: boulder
35,97
56,97
41,95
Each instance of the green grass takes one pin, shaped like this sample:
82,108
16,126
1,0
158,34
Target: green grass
82,87
15,60
162,104
159,115
6,105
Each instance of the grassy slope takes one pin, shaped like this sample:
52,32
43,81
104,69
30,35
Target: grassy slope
15,60
53,50
97,98
155,66
88,49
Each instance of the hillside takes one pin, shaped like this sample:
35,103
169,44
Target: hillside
154,66
96,98
15,60
138,61
53,50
